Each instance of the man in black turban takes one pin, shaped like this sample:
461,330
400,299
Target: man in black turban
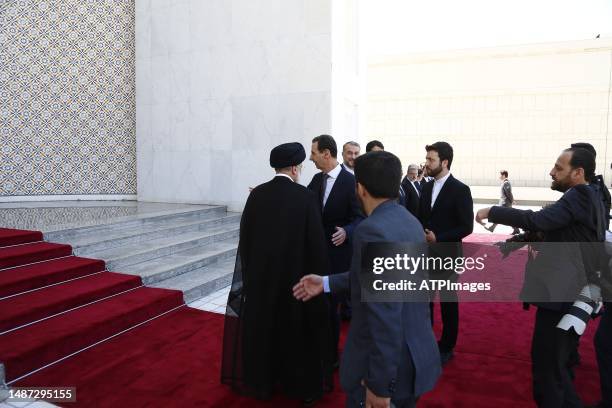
270,338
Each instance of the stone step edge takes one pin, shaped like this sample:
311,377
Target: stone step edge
83,249
126,221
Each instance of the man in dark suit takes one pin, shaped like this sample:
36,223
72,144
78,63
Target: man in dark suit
412,190
377,146
335,189
447,213
506,199
350,151
577,217
603,336
390,354
281,237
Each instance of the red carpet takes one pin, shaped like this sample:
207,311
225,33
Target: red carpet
23,278
10,236
43,303
28,253
79,303
174,360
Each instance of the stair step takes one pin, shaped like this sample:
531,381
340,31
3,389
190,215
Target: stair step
131,221
47,341
179,339
29,253
28,307
121,257
158,269
9,236
90,243
23,278
202,281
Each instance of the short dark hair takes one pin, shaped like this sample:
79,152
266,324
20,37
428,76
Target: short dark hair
326,142
504,173
444,150
583,158
584,145
380,173
373,144
351,143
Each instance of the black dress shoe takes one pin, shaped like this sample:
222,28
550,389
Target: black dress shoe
446,356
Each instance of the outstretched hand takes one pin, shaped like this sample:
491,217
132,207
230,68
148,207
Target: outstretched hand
482,214
308,287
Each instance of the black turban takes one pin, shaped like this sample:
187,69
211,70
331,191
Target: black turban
286,155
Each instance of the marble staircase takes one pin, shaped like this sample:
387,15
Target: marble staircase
191,249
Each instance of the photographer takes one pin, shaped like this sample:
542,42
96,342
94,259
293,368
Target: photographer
577,217
603,336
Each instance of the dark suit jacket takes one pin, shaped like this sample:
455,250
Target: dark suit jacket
341,210
452,216
412,197
560,270
506,198
391,345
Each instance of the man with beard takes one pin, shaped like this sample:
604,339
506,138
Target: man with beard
335,191
553,274
350,151
273,339
390,357
446,212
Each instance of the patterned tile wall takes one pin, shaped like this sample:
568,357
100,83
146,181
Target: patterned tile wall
41,218
67,97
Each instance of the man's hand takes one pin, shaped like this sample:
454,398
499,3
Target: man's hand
374,401
339,236
308,287
430,237
482,214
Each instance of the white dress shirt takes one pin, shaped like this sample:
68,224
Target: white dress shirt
438,184
326,288
347,168
333,175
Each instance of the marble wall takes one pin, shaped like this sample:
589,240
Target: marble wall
218,84
512,108
67,99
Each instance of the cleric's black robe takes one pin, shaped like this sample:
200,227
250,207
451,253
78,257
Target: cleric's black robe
270,338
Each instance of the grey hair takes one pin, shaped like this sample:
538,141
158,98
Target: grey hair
351,143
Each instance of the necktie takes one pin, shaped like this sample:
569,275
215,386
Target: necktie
323,188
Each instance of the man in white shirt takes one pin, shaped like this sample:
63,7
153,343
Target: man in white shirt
446,211
350,151
335,189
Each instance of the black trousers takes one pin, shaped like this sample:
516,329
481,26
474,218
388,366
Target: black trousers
334,316
603,350
550,353
449,306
